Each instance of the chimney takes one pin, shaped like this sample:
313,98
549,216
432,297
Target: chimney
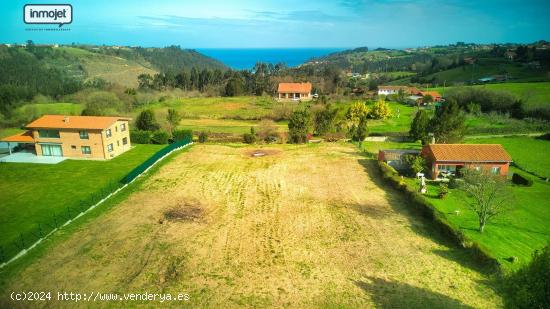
66,119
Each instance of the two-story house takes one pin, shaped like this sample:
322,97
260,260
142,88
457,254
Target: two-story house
76,136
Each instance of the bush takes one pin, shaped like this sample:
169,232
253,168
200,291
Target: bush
160,137
249,138
203,137
180,135
443,190
453,183
544,137
299,126
529,287
140,137
522,179
146,121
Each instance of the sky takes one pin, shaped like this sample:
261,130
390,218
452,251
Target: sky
286,24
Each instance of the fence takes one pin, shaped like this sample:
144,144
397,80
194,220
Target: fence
27,241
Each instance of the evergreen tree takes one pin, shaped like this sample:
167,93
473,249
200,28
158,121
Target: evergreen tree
146,121
447,125
419,127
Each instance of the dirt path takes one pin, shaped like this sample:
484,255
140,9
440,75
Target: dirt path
303,226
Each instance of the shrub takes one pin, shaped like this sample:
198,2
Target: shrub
545,137
522,179
443,190
267,131
160,137
299,126
140,137
529,287
249,138
453,183
203,136
380,110
180,135
146,121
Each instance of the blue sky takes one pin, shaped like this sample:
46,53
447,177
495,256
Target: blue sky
282,23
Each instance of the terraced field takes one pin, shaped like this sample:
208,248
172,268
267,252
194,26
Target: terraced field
301,226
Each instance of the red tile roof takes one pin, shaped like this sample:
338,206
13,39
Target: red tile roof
434,94
25,137
73,122
294,88
468,152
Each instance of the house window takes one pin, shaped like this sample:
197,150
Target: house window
110,148
118,143
83,134
123,127
124,141
48,133
73,147
86,150
116,129
495,170
108,133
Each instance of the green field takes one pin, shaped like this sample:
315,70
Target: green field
533,94
33,193
226,125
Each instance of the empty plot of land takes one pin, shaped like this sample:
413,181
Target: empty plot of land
299,226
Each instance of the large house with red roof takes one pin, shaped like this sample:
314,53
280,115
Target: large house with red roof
446,159
294,92
73,136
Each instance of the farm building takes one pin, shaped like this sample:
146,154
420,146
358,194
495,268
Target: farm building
294,92
396,157
448,159
72,136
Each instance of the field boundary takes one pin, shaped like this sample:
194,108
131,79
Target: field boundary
122,184
429,211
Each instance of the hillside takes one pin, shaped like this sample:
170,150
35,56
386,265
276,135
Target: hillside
114,64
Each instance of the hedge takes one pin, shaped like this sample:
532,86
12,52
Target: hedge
425,208
140,137
522,179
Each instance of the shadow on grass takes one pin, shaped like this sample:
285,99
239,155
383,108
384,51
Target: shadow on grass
389,294
422,225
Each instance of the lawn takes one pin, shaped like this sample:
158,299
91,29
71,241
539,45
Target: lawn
303,226
38,109
33,193
516,233
529,153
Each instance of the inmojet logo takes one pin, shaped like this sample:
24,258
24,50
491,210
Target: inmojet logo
48,14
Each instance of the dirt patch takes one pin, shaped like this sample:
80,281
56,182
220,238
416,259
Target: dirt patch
262,152
191,211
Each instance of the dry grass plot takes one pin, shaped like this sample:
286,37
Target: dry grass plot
301,226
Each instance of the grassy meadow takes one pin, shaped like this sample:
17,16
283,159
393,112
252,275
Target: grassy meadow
533,94
31,192
302,226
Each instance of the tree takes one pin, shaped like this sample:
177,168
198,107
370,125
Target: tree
489,194
447,125
356,112
415,163
360,131
380,110
419,127
173,118
146,121
234,87
101,103
299,125
324,120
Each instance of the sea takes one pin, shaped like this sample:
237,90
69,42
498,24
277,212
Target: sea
246,58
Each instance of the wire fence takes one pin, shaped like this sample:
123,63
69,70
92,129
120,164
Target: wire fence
49,225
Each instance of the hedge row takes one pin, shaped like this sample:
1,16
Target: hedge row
425,208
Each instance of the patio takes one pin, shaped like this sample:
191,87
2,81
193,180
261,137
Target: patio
28,157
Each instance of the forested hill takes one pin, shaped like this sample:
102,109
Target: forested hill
87,63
